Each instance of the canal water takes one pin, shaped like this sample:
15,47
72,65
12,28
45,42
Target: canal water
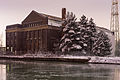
42,70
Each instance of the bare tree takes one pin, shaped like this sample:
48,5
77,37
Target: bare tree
1,44
1,40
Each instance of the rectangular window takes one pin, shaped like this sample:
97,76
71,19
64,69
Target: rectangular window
54,23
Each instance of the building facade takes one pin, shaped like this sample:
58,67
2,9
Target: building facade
37,32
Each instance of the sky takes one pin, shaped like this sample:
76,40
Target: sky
15,11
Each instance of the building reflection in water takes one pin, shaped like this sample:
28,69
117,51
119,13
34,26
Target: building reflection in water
117,74
43,70
2,72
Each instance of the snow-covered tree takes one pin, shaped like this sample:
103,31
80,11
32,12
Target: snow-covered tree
82,36
68,32
87,33
117,51
77,36
92,34
102,47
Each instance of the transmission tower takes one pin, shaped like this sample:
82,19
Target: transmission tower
114,24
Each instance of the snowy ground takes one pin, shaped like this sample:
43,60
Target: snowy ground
98,60
105,60
75,57
93,59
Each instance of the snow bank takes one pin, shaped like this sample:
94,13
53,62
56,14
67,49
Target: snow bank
75,57
96,59
105,60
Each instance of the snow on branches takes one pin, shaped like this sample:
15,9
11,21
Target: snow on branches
82,36
102,46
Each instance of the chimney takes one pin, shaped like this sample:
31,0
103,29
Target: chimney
63,13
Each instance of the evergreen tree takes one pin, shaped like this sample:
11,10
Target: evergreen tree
117,50
92,33
88,33
102,47
82,36
78,39
68,33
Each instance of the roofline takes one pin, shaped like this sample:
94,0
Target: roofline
12,25
104,29
51,17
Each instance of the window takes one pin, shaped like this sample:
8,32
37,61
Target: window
15,34
54,23
7,47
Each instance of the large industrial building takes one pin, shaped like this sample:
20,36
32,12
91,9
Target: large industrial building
37,31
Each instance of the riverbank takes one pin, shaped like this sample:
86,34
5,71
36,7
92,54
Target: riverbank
64,58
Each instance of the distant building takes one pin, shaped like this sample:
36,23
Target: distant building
37,32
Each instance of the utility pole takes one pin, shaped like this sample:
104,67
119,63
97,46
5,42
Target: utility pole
114,24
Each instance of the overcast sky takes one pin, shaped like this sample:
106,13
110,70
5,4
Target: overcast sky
15,11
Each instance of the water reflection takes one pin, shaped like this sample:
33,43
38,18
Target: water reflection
2,72
20,70
117,74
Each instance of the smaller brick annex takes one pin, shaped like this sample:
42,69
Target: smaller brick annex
37,32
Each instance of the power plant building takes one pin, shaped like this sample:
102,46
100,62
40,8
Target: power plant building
37,32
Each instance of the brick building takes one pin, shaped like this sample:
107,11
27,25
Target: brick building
36,32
